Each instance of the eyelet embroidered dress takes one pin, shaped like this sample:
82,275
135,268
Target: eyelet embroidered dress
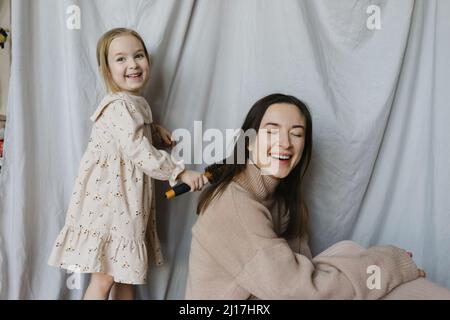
110,221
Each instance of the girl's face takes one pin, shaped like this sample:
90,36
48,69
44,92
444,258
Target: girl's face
128,64
278,146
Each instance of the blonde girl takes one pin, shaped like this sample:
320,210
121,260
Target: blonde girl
110,229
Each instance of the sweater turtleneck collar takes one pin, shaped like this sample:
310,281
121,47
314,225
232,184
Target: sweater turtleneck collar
261,186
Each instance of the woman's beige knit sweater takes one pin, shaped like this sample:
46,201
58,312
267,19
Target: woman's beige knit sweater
237,253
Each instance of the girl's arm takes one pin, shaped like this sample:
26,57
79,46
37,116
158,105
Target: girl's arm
126,125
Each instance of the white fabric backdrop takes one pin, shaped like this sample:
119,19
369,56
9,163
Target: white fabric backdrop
380,170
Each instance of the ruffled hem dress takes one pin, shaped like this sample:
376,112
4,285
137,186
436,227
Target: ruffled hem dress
110,224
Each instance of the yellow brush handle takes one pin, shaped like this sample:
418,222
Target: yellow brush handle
170,194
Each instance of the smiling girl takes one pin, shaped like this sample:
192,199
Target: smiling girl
110,225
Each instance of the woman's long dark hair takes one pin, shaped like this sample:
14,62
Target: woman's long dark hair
289,189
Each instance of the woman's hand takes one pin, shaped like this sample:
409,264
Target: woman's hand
193,179
422,273
164,134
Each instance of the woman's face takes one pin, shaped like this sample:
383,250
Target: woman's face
278,146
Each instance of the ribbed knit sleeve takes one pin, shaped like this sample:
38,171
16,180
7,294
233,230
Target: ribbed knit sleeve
237,232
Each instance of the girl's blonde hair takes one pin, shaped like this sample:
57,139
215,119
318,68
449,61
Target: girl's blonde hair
102,54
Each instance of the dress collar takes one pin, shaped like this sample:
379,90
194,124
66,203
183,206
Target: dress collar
133,99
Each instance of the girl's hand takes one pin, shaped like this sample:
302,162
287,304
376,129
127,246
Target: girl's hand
193,179
164,134
422,273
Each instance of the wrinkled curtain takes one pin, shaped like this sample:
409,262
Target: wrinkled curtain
377,89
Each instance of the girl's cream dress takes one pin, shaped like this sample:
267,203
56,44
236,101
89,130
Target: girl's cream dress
110,224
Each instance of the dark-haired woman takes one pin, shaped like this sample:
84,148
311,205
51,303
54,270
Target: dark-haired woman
250,240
